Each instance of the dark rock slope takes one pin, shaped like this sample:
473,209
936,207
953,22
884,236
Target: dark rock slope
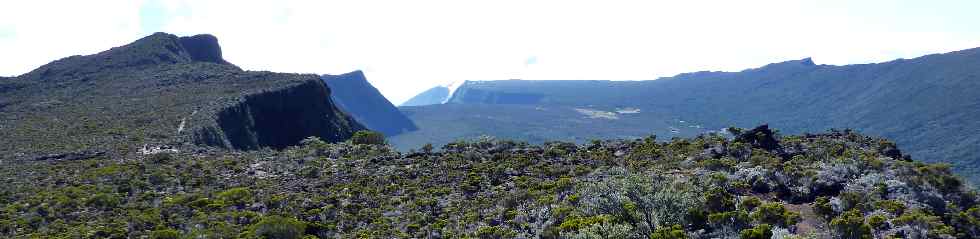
162,90
355,95
273,119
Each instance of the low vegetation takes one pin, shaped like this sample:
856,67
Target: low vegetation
837,184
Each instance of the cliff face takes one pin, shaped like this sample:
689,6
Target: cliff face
355,95
203,48
477,96
162,90
282,118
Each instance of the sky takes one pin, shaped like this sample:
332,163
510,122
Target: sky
406,47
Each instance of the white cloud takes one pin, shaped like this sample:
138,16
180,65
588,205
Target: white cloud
42,31
408,46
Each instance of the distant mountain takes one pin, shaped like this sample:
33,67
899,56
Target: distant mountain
929,105
433,96
162,90
355,95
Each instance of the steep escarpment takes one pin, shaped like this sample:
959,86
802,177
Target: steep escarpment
280,118
355,95
529,92
161,90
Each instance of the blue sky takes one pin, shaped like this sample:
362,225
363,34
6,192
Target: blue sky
405,47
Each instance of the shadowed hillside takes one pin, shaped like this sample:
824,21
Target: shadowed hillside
355,95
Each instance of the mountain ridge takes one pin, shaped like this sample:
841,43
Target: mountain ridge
159,90
432,96
924,103
354,94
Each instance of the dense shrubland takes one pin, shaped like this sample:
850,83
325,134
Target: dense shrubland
755,185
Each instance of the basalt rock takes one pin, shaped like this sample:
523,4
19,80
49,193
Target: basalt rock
203,47
280,118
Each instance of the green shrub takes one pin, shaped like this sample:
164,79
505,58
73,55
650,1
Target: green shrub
698,218
894,207
726,164
368,137
472,182
310,171
877,221
719,200
940,176
672,232
103,200
236,196
495,232
161,158
854,200
737,218
200,203
931,224
775,214
750,203
761,231
576,223
967,222
850,225
278,227
165,234
313,141
822,207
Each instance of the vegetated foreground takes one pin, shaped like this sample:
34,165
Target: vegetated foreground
756,185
